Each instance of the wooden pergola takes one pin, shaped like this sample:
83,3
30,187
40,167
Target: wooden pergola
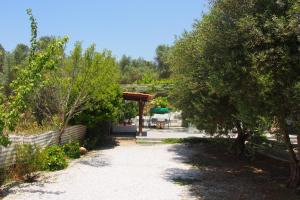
142,99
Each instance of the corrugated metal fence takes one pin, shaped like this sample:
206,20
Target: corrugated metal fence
70,134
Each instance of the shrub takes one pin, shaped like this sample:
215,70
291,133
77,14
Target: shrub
5,175
72,150
128,110
55,158
29,160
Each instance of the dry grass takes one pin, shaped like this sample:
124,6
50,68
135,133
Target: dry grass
32,128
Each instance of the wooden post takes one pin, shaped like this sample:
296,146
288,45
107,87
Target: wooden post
141,111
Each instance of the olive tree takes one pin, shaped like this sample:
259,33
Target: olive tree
242,61
213,75
272,43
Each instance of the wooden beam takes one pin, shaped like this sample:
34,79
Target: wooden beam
141,112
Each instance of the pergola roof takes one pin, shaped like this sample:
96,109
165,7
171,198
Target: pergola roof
135,96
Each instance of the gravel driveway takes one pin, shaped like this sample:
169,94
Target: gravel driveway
130,172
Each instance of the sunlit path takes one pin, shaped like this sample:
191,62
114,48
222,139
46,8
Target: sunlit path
125,172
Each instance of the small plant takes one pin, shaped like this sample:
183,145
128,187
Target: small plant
55,158
29,160
72,150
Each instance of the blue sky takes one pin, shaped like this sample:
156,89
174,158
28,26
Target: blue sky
131,27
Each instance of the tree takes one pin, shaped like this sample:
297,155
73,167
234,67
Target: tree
2,57
161,58
240,65
128,110
20,54
273,46
212,76
124,62
8,73
12,62
137,71
44,41
87,82
28,80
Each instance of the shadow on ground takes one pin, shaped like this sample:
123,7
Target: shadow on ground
95,161
217,175
21,187
91,159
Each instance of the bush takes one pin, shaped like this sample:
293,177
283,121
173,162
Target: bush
128,110
5,175
72,150
55,158
29,160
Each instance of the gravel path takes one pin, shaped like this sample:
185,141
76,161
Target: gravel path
130,172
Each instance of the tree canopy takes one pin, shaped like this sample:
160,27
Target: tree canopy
239,69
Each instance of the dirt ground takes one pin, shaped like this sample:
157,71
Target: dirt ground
228,178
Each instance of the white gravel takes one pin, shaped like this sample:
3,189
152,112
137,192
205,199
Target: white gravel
133,172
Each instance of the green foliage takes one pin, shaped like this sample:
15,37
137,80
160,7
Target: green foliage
140,71
215,84
8,74
20,54
29,159
128,110
10,64
45,85
90,90
162,56
137,71
4,140
148,77
160,102
55,158
29,78
5,175
239,68
72,150
2,57
173,141
207,80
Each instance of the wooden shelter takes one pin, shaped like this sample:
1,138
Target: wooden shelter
142,99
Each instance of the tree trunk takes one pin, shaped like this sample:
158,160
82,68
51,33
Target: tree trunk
294,179
239,143
66,119
61,132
